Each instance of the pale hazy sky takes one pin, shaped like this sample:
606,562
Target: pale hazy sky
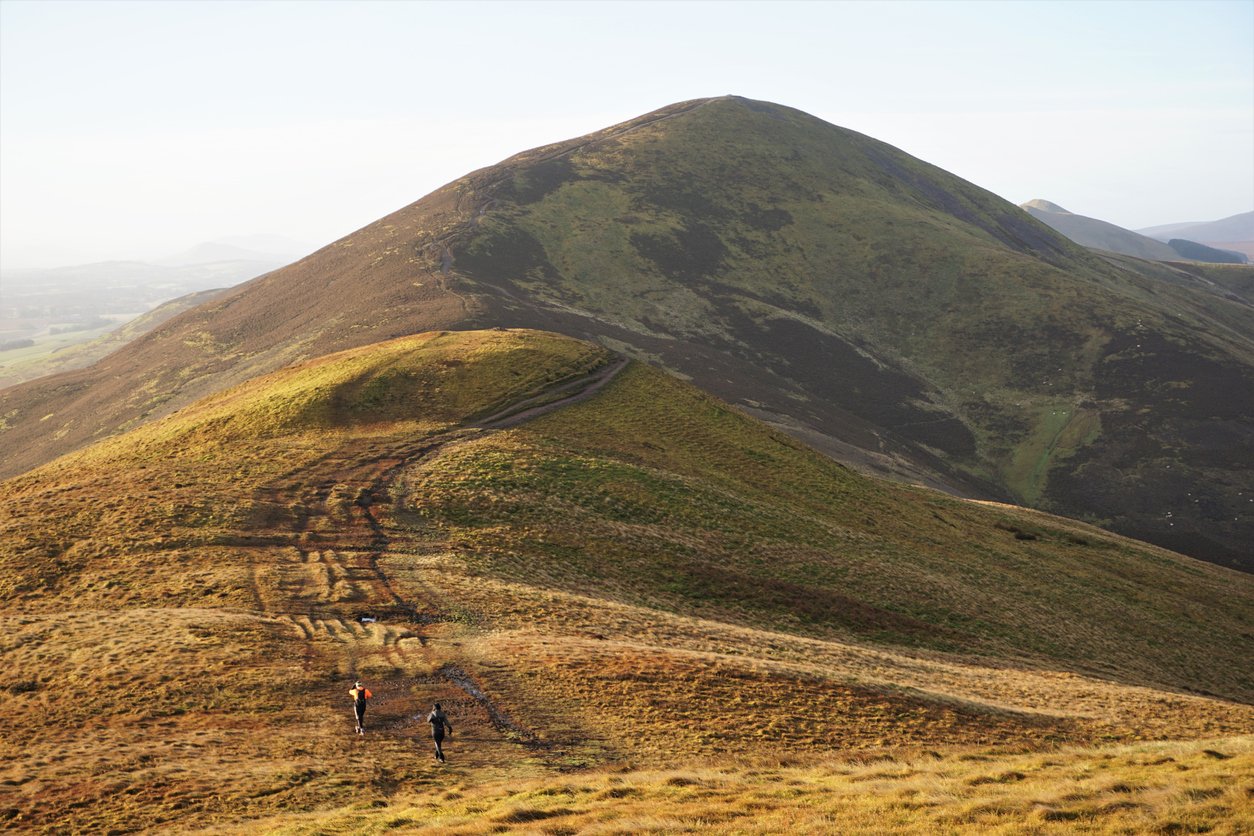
133,130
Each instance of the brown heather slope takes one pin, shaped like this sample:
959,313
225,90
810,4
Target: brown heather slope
885,311
598,570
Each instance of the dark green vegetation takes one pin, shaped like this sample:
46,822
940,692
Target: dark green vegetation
1201,252
639,578
885,311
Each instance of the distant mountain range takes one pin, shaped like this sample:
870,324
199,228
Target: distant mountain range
1102,235
1235,232
885,311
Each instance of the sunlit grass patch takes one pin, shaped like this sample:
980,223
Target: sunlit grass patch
913,796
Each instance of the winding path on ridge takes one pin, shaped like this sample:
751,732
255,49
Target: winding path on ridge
317,570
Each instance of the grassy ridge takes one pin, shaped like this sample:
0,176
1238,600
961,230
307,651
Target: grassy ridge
194,480
637,578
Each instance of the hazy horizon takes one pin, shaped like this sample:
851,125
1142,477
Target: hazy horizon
136,130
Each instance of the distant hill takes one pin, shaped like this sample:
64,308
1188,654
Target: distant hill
1200,252
1101,235
271,249
270,244
115,286
885,311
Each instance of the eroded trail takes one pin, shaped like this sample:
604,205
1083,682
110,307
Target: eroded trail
318,575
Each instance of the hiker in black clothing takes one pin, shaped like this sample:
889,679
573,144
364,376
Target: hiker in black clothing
439,722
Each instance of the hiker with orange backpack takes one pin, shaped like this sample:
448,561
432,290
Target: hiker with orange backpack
360,694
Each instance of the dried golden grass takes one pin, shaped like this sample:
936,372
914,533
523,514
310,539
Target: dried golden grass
1146,788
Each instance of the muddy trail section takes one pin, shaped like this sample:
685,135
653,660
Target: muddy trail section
315,572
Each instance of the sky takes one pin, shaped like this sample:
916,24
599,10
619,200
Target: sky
134,130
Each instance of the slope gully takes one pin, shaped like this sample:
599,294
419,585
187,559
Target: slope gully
316,570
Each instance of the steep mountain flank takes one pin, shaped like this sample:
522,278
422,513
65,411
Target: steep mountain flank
561,548
887,312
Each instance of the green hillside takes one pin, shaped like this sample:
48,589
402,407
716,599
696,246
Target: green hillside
660,496
891,314
861,277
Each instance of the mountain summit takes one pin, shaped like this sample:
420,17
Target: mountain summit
885,311
1045,206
